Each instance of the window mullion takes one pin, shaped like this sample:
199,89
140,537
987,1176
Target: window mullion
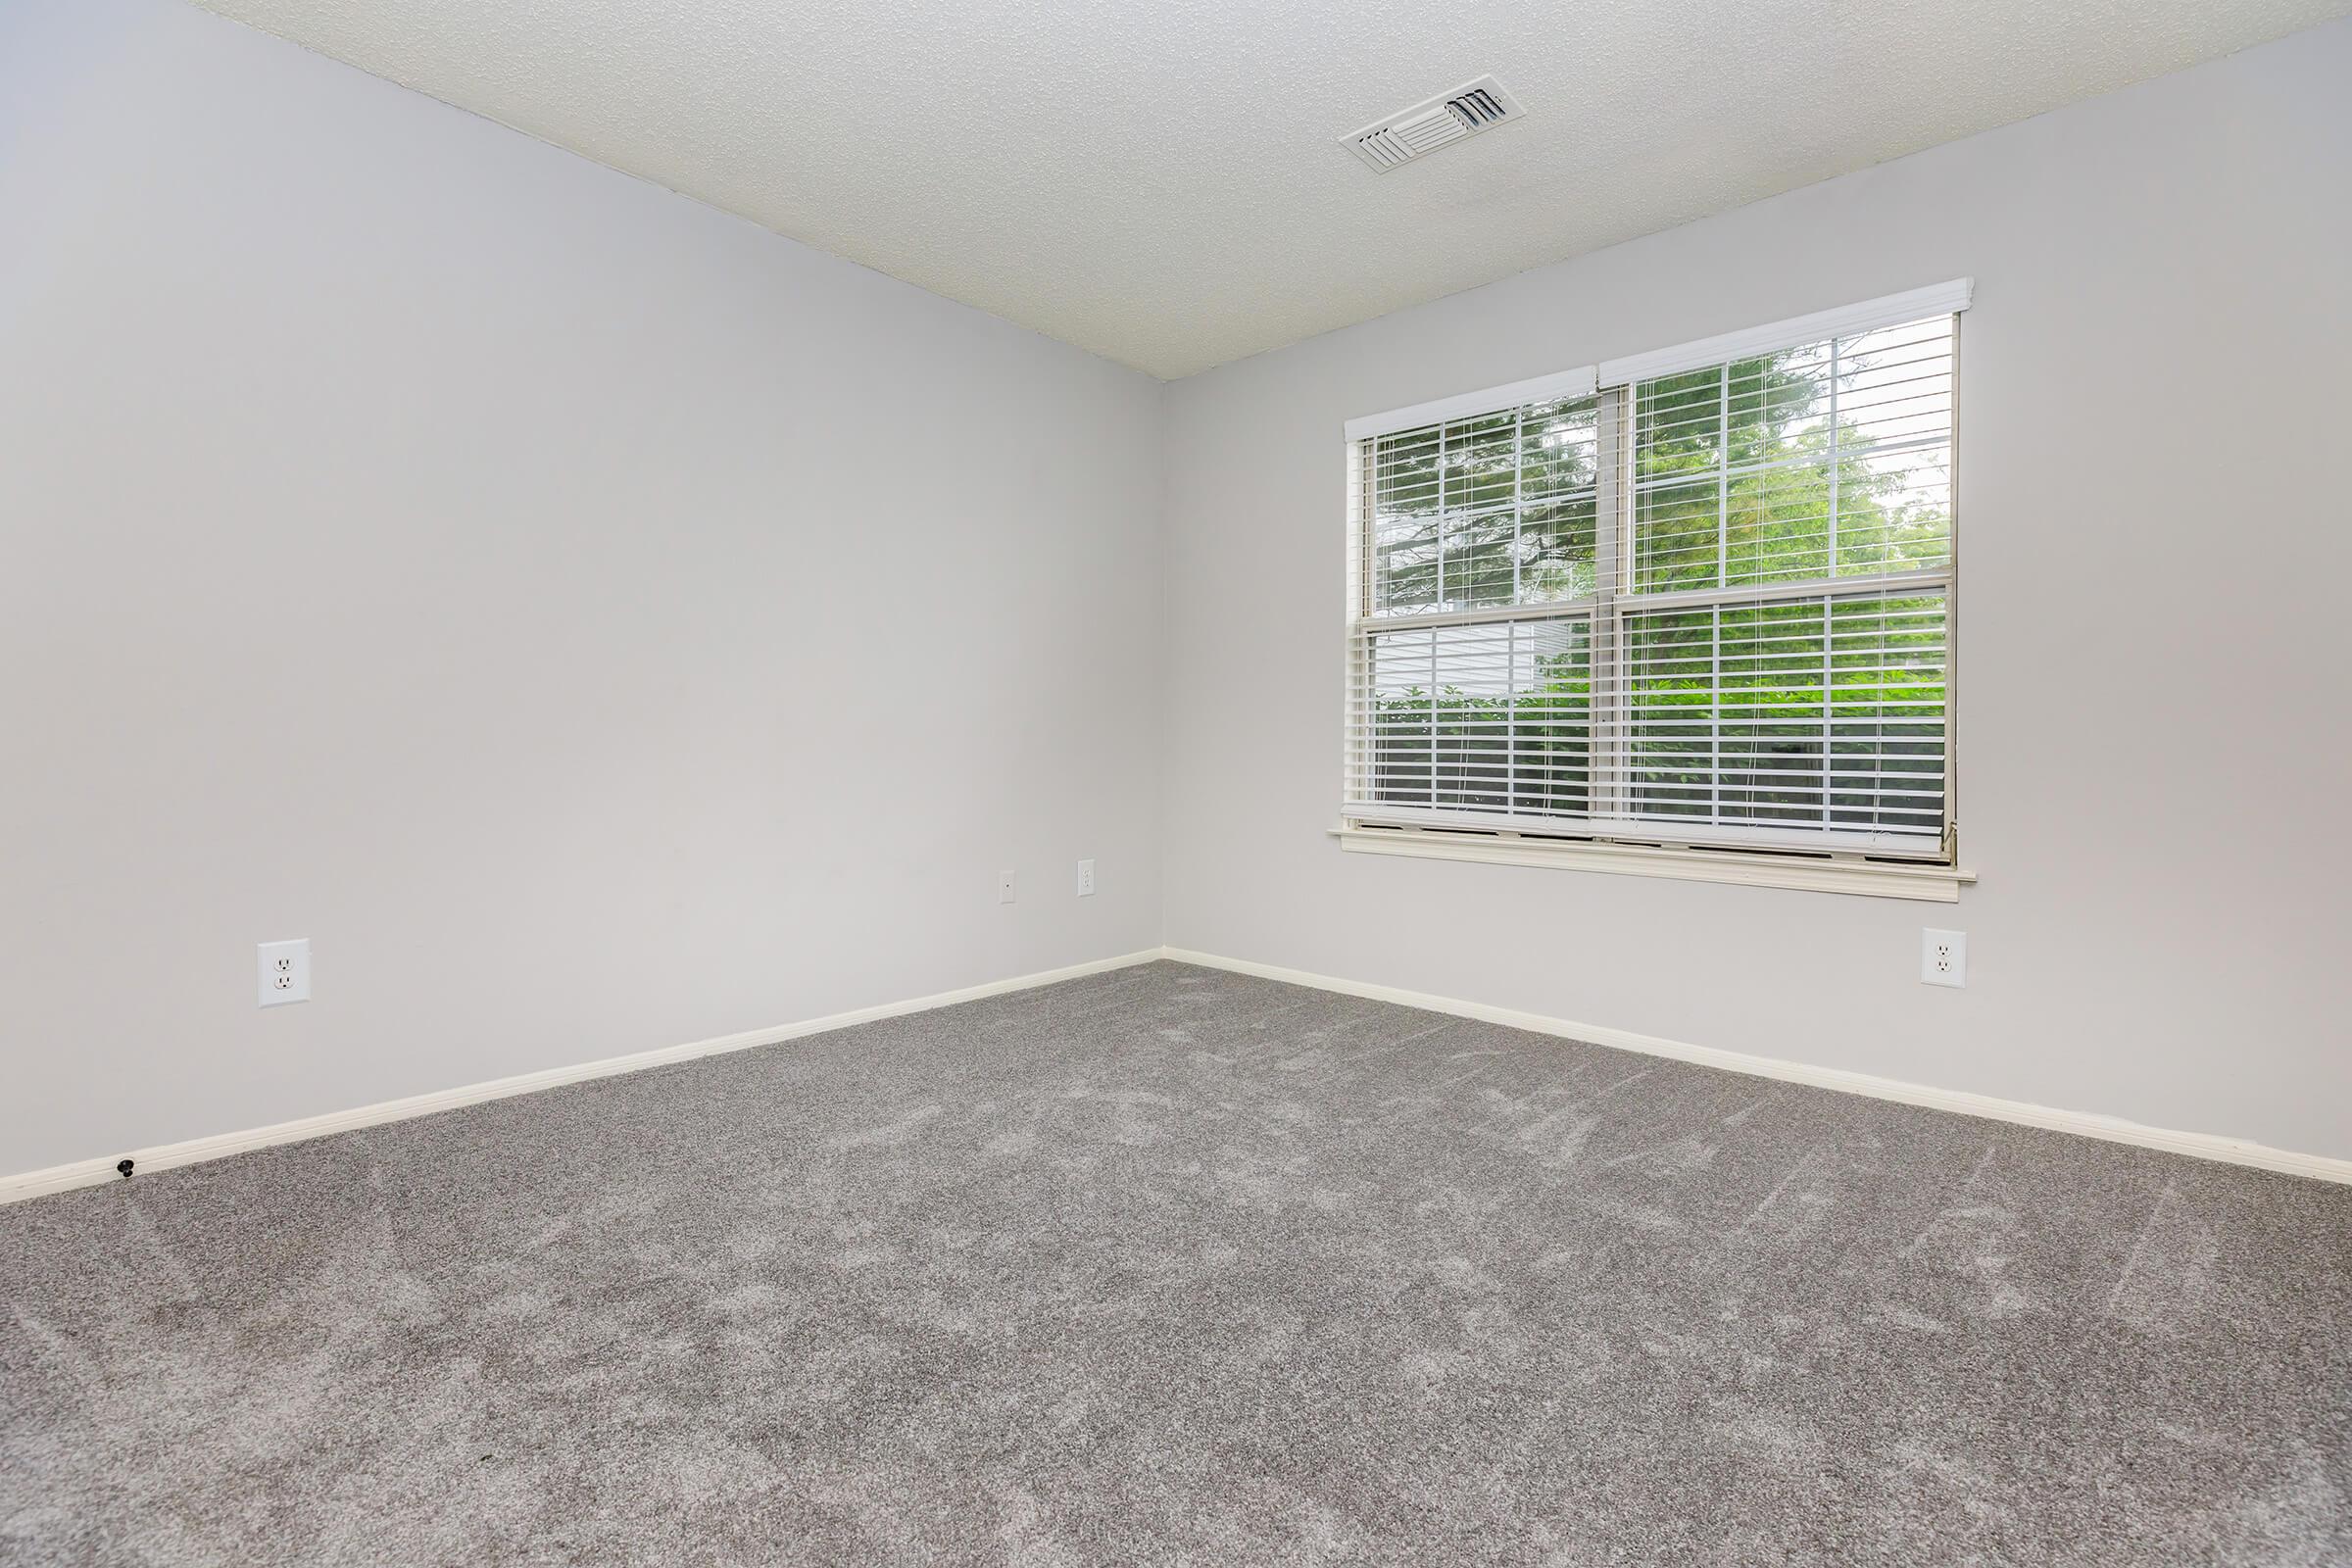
1723,480
1612,510
1837,461
1829,699
1715,715
1444,454
1516,658
1518,504
1510,717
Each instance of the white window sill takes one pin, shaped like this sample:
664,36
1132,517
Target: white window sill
1881,879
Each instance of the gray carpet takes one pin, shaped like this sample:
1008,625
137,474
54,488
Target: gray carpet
1168,1265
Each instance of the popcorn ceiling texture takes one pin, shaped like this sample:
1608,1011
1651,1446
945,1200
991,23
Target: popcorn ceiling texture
1174,1266
1161,183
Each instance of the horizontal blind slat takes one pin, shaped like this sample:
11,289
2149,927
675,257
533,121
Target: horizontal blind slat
1778,639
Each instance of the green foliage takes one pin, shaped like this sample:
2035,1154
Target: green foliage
1741,476
1792,712
1495,510
1521,750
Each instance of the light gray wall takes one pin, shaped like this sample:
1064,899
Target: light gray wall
597,623
600,624
2156,532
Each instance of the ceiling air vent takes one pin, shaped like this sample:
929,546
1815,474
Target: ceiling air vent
1430,125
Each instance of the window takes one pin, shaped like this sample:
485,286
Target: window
1695,603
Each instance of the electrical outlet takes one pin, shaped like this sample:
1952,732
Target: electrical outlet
1004,887
1944,957
285,971
1086,879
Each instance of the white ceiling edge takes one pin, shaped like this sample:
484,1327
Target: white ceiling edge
1163,186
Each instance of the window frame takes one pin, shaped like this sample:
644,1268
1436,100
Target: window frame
1813,859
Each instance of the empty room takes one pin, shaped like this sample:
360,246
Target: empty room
1061,783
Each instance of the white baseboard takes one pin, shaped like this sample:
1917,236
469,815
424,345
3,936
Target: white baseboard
2202,1145
90,1172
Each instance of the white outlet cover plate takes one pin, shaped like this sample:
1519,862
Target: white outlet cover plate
1944,957
1086,879
284,971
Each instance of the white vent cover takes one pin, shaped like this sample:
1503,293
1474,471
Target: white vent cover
1430,125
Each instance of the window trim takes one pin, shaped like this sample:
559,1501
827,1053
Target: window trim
1818,872
1846,320
1561,385
1801,858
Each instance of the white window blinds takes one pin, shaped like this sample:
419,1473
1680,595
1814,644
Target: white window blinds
1706,601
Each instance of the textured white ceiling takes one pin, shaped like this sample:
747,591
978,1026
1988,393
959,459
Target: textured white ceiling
1159,180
